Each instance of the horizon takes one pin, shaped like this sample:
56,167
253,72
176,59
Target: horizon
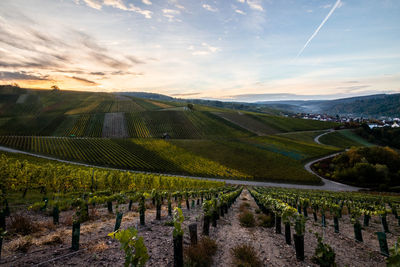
249,50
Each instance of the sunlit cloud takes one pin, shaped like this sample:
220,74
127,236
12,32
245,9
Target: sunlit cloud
147,2
209,8
119,4
246,47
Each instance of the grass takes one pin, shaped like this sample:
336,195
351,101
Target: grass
22,225
200,255
356,138
246,219
304,136
343,139
245,255
287,124
265,220
298,150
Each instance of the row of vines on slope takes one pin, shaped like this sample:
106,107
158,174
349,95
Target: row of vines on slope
292,206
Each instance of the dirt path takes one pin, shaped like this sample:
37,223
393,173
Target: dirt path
271,248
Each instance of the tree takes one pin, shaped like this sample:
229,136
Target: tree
55,88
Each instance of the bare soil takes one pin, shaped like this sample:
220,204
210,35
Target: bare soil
114,125
51,245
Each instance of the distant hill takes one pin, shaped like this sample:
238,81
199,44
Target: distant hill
365,106
147,95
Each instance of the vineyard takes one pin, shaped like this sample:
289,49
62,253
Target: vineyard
82,212
358,218
250,123
272,158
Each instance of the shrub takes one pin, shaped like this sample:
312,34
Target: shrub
394,259
23,225
324,254
244,206
132,245
265,220
246,219
201,254
245,255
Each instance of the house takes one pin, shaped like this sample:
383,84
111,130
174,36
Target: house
166,136
395,125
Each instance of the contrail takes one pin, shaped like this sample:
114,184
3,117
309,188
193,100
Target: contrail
319,27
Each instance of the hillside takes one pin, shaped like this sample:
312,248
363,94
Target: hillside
127,132
364,106
83,114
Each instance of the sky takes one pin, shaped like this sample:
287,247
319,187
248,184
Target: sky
237,50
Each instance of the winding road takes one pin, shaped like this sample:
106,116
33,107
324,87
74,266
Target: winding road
328,184
316,139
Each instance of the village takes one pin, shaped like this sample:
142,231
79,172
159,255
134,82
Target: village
372,122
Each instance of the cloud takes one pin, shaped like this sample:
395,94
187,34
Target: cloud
255,4
240,12
205,49
118,4
209,8
170,14
84,81
25,50
336,5
185,94
135,60
21,75
96,4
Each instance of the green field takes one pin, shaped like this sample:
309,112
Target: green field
344,139
306,136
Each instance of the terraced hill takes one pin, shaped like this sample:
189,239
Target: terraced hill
127,132
69,113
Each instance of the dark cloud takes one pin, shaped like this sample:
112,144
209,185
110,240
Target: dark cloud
21,75
135,60
187,94
97,73
109,61
126,73
84,81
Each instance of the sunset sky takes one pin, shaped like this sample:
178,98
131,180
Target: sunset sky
244,50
